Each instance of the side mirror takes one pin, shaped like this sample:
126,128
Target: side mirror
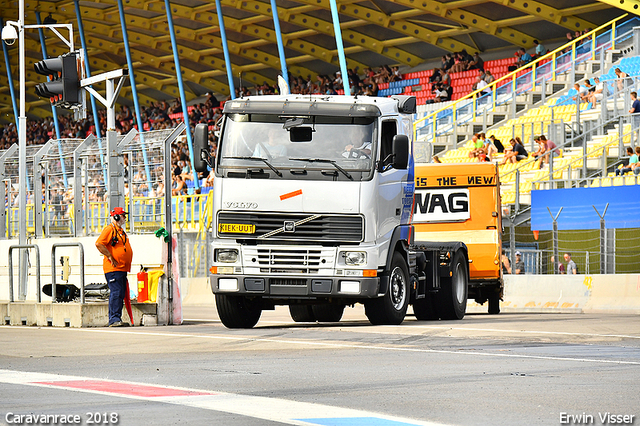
201,157
400,147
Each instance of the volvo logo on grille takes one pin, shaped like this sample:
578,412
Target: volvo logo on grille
289,226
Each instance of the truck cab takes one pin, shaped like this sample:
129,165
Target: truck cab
313,199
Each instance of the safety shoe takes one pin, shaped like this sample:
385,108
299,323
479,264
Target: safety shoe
119,324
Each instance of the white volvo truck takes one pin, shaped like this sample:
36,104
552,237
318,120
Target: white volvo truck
313,201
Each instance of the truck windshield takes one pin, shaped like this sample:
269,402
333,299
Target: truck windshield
333,143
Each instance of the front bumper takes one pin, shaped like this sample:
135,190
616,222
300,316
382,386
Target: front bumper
294,287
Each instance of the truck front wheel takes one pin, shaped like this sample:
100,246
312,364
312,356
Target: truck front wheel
392,307
238,311
452,298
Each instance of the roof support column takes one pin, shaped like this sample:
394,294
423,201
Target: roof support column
134,95
276,25
339,45
183,98
225,49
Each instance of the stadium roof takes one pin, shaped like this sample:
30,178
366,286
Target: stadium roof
409,33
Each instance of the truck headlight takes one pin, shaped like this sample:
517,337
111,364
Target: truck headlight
226,255
355,258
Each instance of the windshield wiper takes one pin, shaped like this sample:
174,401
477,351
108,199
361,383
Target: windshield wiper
322,160
264,160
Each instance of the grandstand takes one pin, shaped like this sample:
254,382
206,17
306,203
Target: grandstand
591,139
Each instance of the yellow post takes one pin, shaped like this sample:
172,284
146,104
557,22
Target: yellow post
613,35
553,67
533,76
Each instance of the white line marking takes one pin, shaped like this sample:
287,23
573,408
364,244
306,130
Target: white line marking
272,409
431,327
349,345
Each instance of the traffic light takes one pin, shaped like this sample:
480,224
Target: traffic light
63,88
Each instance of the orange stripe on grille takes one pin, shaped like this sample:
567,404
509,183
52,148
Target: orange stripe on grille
290,195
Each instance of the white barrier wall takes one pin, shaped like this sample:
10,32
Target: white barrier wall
569,293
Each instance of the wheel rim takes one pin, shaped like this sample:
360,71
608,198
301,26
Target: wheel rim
398,289
459,283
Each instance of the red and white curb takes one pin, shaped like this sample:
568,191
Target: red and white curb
272,409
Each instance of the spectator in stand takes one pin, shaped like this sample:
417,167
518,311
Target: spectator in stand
482,85
436,76
596,95
476,63
540,49
395,74
447,62
630,163
490,150
478,145
488,77
497,143
459,63
523,58
581,92
517,153
551,149
623,78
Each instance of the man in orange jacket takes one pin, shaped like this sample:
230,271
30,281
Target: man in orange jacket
114,245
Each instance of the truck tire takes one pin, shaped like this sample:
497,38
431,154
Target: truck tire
328,312
238,311
302,313
392,307
452,298
425,309
494,303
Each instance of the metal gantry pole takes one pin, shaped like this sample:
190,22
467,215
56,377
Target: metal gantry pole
225,49
603,239
276,25
22,153
338,35
555,237
183,98
134,92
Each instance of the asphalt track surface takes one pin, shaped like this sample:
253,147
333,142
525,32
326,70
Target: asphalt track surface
507,369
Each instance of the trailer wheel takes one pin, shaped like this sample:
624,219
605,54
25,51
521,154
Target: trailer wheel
494,303
452,298
302,313
238,311
392,307
328,312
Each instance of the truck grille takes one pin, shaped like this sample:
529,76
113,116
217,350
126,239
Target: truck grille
275,261
324,228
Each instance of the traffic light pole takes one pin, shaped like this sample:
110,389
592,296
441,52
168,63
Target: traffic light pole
22,138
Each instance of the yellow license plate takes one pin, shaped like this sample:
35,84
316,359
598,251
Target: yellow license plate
236,228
